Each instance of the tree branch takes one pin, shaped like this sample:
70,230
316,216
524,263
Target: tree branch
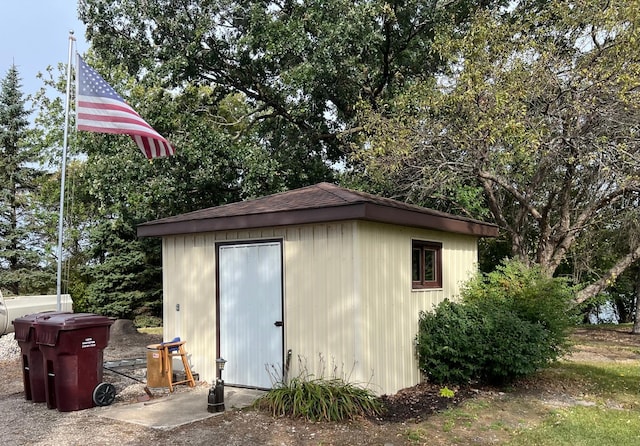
512,190
611,275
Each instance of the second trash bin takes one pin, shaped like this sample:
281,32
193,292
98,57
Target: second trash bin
26,333
72,347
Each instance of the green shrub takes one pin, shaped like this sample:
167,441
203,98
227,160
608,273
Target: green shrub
319,400
448,342
510,323
531,295
514,347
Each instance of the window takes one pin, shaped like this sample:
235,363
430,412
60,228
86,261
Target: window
426,264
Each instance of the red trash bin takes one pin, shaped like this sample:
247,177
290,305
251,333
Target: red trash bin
33,375
72,347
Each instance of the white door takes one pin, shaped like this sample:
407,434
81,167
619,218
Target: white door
250,313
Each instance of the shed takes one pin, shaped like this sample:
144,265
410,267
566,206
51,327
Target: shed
321,281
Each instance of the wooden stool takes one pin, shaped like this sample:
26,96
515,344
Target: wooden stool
167,351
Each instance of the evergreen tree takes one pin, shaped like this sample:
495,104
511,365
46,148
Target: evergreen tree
21,271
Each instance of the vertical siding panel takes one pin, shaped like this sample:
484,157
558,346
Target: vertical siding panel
292,300
302,299
200,300
319,299
391,307
386,259
189,281
169,272
340,297
347,296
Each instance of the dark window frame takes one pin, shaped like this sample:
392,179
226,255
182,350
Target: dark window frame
424,248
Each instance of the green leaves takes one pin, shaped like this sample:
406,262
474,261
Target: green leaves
539,109
510,323
301,66
22,256
319,400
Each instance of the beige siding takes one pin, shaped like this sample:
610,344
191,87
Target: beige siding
349,307
321,304
189,280
391,308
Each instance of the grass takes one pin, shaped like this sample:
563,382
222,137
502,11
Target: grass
319,400
592,398
601,382
151,330
416,435
583,426
606,413
464,416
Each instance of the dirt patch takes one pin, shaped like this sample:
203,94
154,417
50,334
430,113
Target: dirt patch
610,335
604,344
126,342
418,402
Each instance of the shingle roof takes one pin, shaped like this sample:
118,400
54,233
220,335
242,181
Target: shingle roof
321,202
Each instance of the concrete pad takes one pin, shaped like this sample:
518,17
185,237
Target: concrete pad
177,409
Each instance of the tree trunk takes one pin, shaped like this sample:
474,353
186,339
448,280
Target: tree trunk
609,277
636,320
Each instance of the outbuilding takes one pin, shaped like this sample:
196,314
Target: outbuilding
321,281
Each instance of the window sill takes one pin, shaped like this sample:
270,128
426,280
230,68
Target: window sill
421,290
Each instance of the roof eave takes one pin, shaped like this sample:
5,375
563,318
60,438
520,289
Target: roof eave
357,211
406,217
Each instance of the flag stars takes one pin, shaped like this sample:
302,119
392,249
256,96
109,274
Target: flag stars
100,109
92,84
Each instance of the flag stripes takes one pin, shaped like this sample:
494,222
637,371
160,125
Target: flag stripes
100,109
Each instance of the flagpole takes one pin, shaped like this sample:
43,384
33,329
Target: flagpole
63,170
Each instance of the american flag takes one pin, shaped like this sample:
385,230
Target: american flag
100,109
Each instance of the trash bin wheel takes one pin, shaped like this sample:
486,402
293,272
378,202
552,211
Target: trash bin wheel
104,394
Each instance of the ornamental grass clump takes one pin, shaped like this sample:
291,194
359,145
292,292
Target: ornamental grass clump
320,400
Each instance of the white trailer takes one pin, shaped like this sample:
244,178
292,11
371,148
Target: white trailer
12,307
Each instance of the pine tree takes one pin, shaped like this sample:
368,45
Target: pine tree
20,266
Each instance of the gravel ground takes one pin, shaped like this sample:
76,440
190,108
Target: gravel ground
9,349
28,423
25,422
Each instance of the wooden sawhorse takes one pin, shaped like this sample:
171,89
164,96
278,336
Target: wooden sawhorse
168,350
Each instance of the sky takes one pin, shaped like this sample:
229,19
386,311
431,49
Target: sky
35,34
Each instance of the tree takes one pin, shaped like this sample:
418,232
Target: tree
124,276
600,248
112,188
301,66
20,268
539,112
